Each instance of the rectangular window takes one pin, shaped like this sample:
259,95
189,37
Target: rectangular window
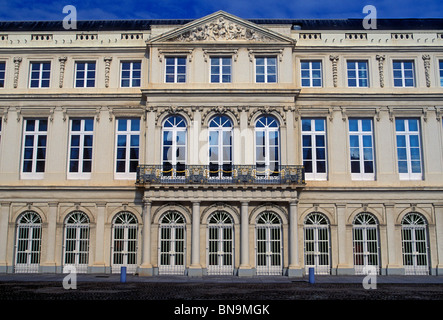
85,74
221,69
358,74
311,73
403,73
408,149
127,148
361,149
2,74
175,69
80,148
314,148
131,74
40,75
440,68
34,148
265,69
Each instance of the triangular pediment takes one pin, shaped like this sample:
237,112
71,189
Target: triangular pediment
221,27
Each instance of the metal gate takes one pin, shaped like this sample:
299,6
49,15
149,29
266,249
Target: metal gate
316,241
268,244
172,244
124,240
28,243
365,243
76,248
220,247
415,245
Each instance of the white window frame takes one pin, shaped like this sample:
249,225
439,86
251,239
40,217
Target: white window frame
365,240
267,129
131,73
409,175
175,223
355,69
128,133
321,240
414,231
220,69
360,134
176,68
266,74
440,71
175,129
268,233
40,74
402,70
219,145
82,133
35,133
3,75
28,243
220,244
85,79
125,223
310,69
314,175
76,241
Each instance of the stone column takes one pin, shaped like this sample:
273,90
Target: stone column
245,268
49,265
4,218
343,267
146,266
294,267
99,265
195,268
439,236
394,243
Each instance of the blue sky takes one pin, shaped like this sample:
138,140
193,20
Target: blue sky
193,9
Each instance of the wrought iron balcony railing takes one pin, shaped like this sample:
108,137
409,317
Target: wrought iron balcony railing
220,174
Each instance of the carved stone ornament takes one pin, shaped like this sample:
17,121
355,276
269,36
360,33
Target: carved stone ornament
107,70
17,61
334,60
381,59
427,63
221,110
62,61
220,29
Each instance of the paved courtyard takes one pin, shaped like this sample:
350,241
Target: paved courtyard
177,297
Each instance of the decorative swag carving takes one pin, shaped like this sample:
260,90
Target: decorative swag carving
220,29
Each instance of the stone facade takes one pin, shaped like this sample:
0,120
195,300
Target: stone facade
235,219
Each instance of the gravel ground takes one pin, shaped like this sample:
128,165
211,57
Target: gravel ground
196,299
297,290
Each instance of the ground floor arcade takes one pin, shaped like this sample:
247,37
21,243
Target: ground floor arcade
340,232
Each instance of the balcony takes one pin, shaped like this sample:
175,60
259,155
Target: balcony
223,174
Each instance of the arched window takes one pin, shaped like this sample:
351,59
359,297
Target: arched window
220,147
268,244
415,244
365,242
174,146
220,243
28,242
316,240
124,242
76,248
267,146
172,248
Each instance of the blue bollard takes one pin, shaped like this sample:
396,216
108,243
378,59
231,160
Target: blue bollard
311,275
123,274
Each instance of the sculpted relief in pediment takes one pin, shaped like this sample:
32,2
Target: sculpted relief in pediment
220,30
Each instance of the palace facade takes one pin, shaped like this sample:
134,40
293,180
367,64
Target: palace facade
222,146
